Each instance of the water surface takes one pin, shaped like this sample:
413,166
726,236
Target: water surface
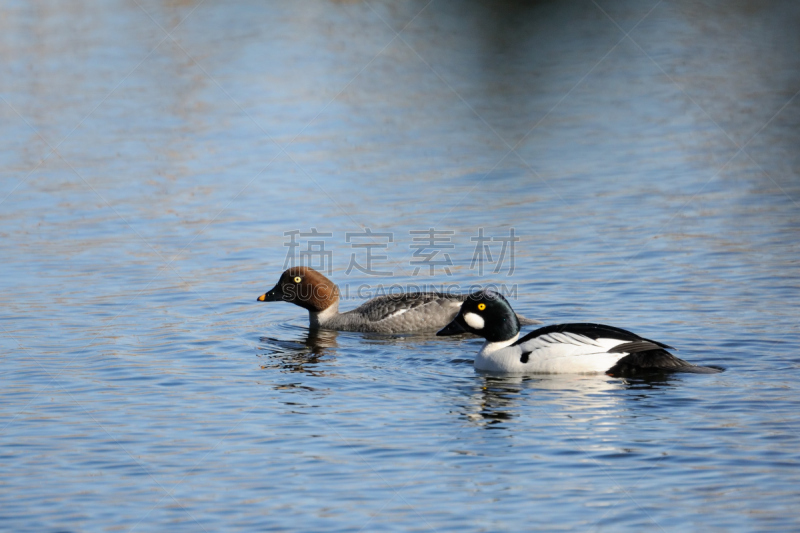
645,154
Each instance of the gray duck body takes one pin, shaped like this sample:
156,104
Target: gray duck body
399,313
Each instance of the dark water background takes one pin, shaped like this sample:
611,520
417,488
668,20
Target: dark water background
155,153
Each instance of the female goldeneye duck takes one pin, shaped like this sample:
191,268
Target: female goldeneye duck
559,349
409,312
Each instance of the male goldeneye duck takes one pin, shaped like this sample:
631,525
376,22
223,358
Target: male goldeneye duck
409,312
559,349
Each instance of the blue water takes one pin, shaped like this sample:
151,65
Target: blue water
644,153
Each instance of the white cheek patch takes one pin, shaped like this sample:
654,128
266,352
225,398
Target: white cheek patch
473,320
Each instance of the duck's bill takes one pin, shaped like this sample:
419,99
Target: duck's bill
275,295
453,328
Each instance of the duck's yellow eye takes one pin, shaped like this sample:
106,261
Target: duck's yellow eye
481,307
298,279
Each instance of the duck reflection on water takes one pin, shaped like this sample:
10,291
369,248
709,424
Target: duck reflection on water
314,347
496,399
